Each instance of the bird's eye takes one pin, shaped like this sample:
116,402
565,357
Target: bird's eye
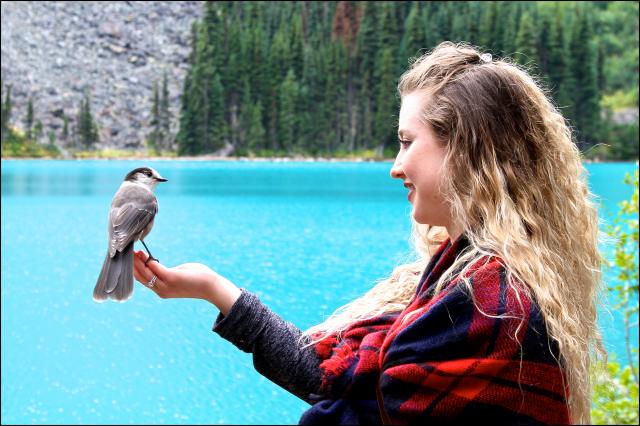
148,173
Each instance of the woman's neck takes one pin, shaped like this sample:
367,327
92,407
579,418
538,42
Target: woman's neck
454,231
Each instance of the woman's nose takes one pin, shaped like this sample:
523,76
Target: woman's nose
396,170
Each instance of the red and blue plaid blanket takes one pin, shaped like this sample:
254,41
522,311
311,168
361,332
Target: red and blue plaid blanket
448,362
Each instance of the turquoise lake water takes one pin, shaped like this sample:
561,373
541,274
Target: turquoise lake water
305,237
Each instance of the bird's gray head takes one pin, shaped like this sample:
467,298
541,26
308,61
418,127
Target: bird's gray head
145,175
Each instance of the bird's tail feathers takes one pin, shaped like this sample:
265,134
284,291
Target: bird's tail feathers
116,277
124,289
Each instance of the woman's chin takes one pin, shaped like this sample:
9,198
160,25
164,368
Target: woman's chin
424,217
418,218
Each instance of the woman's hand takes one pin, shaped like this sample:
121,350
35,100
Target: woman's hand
189,280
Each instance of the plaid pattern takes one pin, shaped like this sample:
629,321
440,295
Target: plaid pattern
443,360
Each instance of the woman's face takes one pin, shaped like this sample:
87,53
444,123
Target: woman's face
419,164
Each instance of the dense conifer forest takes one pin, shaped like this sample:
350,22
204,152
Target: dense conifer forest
319,78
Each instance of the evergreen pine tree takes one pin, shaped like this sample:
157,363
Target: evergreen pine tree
38,130
386,105
338,96
367,38
326,115
7,106
288,112
214,29
413,38
509,17
87,130
296,44
367,51
187,139
2,115
75,130
527,44
278,66
488,24
505,29
544,44
255,132
441,23
51,136
28,122
345,29
600,52
65,130
154,136
257,59
460,23
165,115
560,78
231,80
217,135
93,126
387,28
200,96
427,22
584,66
246,112
473,31
311,98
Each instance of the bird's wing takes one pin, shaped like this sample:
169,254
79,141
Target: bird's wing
128,221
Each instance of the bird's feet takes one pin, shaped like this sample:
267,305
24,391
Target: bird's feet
150,258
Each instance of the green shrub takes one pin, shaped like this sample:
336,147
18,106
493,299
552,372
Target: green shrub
17,145
615,396
615,391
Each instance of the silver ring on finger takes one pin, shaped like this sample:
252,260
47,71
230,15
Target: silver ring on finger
152,281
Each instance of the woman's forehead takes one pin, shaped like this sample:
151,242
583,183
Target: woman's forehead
411,111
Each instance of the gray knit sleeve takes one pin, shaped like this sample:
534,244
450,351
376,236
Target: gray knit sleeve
254,328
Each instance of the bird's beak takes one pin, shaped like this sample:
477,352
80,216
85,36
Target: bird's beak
161,179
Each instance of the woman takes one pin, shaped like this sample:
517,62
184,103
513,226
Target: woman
500,325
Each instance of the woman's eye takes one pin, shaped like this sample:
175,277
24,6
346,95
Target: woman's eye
403,143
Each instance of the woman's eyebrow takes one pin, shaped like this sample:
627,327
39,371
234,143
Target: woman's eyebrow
403,132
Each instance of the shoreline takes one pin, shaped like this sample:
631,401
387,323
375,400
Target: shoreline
217,158
254,159
299,159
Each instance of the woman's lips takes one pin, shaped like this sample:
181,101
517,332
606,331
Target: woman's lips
411,189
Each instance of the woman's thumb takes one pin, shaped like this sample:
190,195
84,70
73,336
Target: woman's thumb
156,268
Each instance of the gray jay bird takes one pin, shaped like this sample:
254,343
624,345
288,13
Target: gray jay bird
131,218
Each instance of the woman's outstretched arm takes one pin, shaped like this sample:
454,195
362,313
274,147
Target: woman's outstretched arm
244,321
253,327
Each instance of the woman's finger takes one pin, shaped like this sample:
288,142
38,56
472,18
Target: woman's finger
139,270
145,275
158,269
136,273
138,266
141,255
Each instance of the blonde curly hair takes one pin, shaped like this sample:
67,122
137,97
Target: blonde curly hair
514,179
